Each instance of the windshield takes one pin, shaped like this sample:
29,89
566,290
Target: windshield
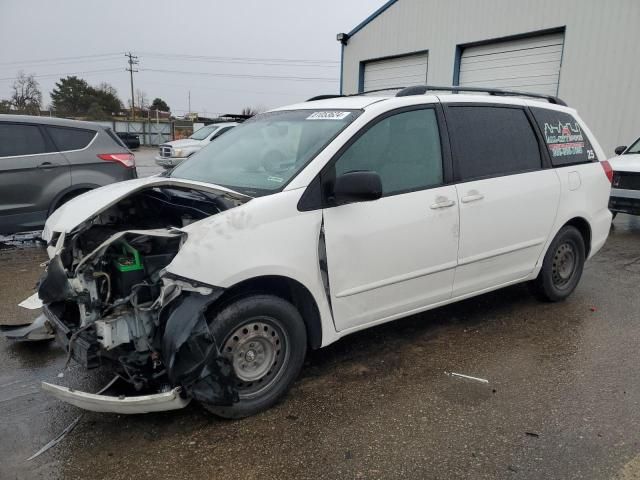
203,132
260,156
635,148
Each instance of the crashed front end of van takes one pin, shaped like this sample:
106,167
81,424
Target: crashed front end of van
111,302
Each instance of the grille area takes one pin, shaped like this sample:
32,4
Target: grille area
165,151
626,180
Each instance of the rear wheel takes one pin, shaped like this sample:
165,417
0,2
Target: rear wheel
265,340
562,266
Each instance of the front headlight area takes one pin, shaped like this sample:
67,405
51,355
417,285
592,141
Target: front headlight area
182,152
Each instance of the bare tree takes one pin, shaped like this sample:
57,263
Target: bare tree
108,89
251,111
26,96
142,102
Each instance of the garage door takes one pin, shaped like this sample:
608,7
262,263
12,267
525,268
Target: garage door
529,64
396,72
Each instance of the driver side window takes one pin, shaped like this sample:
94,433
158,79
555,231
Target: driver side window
404,149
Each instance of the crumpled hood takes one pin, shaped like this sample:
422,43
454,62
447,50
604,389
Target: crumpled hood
184,143
626,163
81,208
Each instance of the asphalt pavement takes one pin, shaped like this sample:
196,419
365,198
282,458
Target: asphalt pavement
562,398
145,163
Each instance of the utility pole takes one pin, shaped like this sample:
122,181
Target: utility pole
189,103
133,60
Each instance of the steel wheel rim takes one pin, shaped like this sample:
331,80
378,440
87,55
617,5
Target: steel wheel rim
564,264
259,353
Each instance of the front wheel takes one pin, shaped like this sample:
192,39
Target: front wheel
562,266
265,340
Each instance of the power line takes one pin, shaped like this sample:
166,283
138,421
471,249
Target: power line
48,60
279,61
82,72
217,89
55,64
238,75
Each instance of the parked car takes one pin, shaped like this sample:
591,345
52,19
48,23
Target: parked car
44,162
311,222
131,140
625,194
172,153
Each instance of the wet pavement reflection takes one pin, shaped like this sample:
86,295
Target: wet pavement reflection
562,398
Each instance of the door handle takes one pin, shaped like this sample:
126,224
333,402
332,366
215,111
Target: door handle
473,196
442,202
47,165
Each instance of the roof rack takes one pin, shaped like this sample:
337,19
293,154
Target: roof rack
325,97
422,89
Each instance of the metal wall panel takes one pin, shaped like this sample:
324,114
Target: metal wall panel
530,64
394,72
600,67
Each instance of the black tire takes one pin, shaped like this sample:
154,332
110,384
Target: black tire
562,266
275,325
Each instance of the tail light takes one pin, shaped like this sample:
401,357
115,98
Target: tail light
608,171
126,159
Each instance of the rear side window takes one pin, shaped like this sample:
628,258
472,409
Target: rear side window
221,131
20,139
115,138
404,149
492,141
70,138
567,143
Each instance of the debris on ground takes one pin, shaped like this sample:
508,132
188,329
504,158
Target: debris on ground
56,440
468,377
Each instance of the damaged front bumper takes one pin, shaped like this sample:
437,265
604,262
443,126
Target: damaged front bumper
159,402
190,354
37,331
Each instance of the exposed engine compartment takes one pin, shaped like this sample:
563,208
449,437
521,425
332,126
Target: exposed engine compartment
105,289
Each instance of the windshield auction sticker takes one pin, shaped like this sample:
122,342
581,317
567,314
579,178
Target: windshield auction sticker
328,115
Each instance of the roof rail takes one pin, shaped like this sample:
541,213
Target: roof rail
324,97
422,89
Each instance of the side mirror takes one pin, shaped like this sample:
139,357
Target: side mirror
619,150
359,186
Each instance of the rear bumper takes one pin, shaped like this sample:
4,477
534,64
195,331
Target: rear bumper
600,228
625,201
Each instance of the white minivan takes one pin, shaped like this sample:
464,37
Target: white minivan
310,222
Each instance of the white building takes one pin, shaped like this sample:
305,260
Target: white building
586,52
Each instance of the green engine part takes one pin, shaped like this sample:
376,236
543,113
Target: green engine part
129,259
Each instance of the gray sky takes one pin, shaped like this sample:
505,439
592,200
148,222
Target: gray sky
282,38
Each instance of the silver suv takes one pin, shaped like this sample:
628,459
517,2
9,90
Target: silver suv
46,161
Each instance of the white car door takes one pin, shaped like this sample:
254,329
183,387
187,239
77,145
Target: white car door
397,254
508,200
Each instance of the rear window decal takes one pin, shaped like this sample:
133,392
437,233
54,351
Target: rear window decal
566,142
564,138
